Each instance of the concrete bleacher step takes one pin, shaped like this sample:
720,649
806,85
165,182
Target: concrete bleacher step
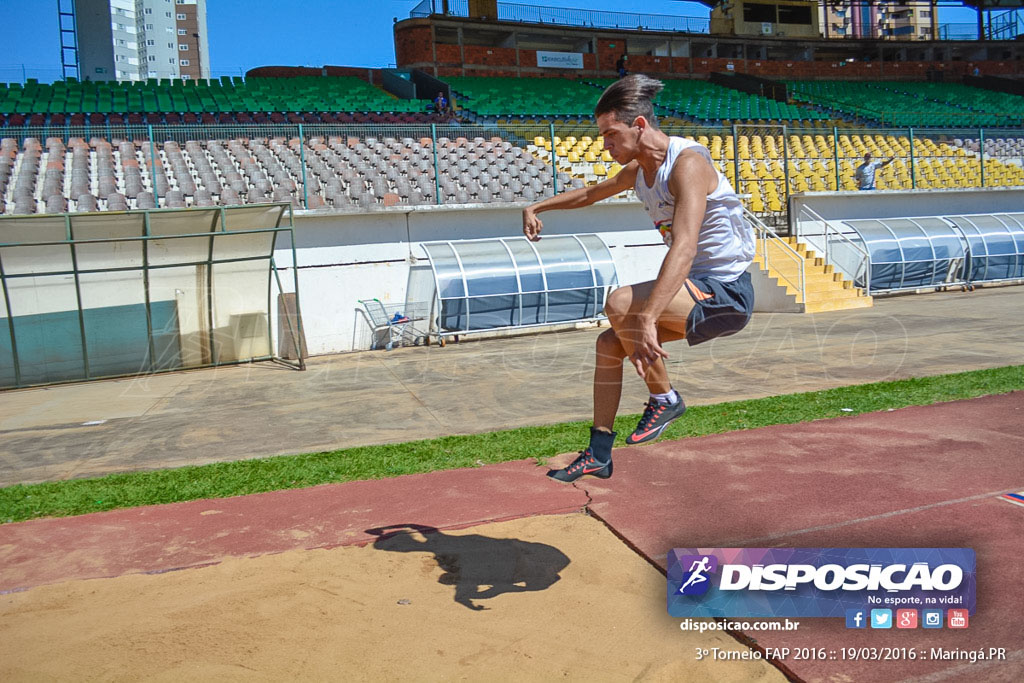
841,304
825,290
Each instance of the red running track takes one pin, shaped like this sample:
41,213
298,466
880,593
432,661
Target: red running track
918,477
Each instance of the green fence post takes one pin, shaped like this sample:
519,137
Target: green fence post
152,166
735,158
437,177
302,162
209,301
146,232
913,163
554,160
298,309
10,327
981,153
78,293
835,153
785,163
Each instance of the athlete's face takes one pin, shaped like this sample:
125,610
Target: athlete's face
622,140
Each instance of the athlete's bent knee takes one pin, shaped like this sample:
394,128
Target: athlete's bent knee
608,344
618,303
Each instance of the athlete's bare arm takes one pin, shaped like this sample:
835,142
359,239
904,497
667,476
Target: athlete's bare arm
576,199
692,179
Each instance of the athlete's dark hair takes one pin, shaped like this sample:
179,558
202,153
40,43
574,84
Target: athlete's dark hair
630,97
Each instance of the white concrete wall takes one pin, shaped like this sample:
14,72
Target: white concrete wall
770,296
346,257
343,258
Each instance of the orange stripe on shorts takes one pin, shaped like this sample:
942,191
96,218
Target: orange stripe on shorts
698,293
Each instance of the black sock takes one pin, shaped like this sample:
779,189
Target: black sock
601,444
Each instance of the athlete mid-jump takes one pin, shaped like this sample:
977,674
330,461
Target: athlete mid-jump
702,290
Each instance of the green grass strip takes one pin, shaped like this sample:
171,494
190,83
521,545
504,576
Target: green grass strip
80,496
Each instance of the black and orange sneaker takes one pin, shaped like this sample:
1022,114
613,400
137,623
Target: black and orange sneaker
596,460
657,416
585,463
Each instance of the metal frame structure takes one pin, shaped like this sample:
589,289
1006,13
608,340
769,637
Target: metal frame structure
767,241
478,283
979,231
89,248
961,250
66,24
853,260
919,242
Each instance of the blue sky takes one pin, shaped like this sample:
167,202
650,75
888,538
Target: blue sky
244,35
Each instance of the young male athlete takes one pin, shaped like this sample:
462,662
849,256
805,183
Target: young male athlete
702,290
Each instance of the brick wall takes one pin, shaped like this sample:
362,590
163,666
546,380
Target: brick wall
413,45
490,73
448,54
490,56
608,52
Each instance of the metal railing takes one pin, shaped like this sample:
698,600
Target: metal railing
1006,26
824,242
770,162
766,238
565,16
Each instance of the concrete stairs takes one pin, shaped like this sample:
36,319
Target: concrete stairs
825,289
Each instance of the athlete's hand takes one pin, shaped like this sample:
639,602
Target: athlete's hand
646,349
531,225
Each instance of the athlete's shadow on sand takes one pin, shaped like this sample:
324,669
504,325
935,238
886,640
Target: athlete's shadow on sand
478,566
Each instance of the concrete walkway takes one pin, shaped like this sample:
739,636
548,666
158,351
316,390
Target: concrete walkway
265,409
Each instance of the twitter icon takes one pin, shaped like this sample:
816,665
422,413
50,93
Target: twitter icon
881,618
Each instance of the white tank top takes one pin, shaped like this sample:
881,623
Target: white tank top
725,244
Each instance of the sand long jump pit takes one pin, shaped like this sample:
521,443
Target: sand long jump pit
542,598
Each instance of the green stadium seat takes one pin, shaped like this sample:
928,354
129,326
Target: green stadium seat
907,104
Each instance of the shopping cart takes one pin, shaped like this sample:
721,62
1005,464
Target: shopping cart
397,323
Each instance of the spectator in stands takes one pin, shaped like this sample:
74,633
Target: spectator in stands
703,289
865,173
620,66
440,103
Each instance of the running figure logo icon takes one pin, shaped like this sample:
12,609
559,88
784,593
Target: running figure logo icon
695,581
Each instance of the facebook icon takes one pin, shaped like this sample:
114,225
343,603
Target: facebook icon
856,618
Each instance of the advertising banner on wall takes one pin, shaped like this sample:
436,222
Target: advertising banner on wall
560,60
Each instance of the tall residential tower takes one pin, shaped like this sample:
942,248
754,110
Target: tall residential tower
132,40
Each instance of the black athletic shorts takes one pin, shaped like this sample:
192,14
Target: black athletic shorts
722,308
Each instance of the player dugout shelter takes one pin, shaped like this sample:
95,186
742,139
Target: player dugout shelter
508,283
886,255
87,295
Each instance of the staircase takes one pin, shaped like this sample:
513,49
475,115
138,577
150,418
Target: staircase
825,289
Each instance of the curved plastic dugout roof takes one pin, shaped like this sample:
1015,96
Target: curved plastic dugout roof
512,282
996,245
913,252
